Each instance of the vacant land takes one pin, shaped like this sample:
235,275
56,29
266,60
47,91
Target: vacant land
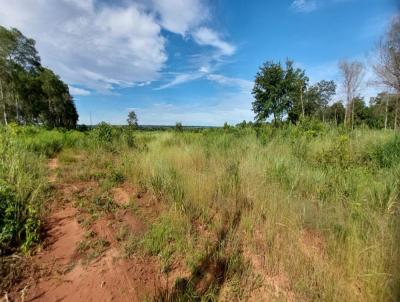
305,213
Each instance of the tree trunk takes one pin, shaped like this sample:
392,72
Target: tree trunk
302,103
396,117
4,104
347,113
386,111
352,114
336,119
17,108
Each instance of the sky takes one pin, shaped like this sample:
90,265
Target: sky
191,61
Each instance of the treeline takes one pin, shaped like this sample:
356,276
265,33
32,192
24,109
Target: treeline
282,92
29,92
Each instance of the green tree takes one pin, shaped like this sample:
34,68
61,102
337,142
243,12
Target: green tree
277,90
178,127
362,113
383,110
132,119
326,90
336,113
387,67
30,93
17,54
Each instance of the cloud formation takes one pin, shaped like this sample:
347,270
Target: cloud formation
180,16
101,45
208,37
75,91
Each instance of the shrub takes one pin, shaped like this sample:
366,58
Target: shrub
388,154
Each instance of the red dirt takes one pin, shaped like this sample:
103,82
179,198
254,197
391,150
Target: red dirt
123,194
110,277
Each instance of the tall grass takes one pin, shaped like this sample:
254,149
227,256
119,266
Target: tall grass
320,207
23,182
316,208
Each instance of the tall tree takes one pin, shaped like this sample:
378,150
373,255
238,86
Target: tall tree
352,74
326,90
132,119
276,90
17,53
30,93
336,113
387,67
383,110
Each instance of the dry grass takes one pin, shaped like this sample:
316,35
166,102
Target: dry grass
288,214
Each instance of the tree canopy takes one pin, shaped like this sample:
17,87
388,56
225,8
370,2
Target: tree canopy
132,119
285,92
277,90
29,92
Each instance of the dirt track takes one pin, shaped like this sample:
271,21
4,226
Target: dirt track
64,273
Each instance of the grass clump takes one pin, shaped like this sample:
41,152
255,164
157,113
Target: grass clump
22,191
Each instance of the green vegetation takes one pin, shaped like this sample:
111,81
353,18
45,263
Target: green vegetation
300,209
319,204
30,93
23,182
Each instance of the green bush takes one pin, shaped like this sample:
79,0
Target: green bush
388,154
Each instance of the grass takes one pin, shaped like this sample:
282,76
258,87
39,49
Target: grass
318,205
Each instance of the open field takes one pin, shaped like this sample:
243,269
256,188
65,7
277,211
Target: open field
304,213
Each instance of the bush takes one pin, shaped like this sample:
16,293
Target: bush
103,133
388,154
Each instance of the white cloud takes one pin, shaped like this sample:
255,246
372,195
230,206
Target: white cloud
208,37
242,84
179,16
99,47
304,6
180,79
78,91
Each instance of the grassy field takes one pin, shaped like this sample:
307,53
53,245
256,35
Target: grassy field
306,213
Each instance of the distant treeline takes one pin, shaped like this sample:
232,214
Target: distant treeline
29,92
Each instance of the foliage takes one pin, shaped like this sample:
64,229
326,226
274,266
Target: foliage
30,93
276,90
132,119
178,127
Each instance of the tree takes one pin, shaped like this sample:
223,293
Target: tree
17,54
387,67
383,110
277,90
352,74
336,113
317,98
297,84
132,119
361,113
326,90
178,127
30,93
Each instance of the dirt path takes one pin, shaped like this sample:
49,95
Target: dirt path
64,276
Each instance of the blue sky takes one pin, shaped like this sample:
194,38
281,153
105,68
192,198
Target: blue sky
191,61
